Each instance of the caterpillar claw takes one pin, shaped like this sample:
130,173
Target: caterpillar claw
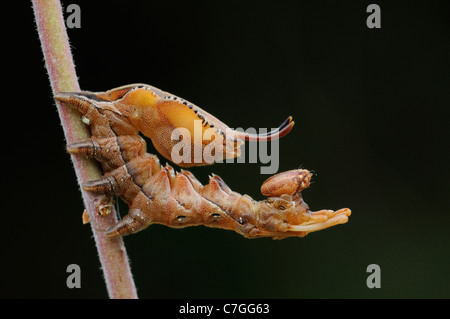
87,147
85,217
105,185
132,223
105,205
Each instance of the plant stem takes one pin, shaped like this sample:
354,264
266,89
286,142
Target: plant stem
61,70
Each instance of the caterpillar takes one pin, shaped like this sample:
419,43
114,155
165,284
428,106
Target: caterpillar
157,194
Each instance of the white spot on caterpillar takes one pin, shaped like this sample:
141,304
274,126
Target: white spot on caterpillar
85,120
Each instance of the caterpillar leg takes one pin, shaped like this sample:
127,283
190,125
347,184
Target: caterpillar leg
114,151
99,123
127,180
103,118
133,222
152,205
105,205
74,100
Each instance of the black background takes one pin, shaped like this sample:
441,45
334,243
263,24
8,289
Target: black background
371,112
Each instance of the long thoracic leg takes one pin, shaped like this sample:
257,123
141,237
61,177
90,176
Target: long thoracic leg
99,124
114,151
104,120
133,222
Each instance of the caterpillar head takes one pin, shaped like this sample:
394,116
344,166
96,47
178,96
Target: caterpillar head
284,212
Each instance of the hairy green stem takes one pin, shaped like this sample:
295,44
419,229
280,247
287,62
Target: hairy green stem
61,71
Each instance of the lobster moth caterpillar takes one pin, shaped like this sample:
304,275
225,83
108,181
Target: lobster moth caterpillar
159,195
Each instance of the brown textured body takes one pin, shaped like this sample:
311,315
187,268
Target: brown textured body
157,194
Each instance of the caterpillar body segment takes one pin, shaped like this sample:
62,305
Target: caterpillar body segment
157,194
157,114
